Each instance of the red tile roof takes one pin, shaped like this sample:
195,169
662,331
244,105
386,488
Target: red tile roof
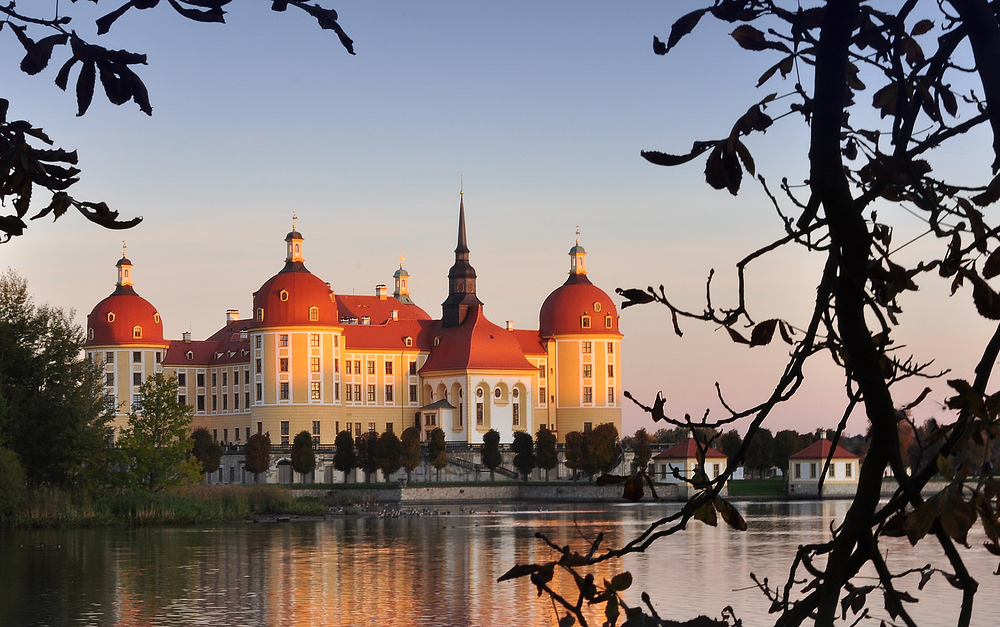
378,310
301,290
820,449
562,312
687,449
531,341
225,346
390,335
476,344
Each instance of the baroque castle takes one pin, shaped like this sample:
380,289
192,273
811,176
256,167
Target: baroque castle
308,359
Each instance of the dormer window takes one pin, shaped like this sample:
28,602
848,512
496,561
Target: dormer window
585,322
156,318
190,355
90,333
283,295
137,333
314,314
111,316
408,341
608,322
597,306
437,341
260,315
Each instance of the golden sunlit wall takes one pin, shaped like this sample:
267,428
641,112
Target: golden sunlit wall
123,370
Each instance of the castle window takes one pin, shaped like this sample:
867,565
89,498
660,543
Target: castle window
314,339
371,367
283,339
388,393
611,371
585,322
371,393
283,295
314,390
611,348
516,393
260,316
588,394
90,334
541,371
314,313
284,391
497,393
258,340
608,322
137,357
137,333
587,347
350,393
517,414
190,355
136,378
109,378
413,394
611,396
283,364
182,379
156,318
437,341
388,367
587,371
408,341
413,368
314,364
480,414
541,396
111,316
597,306
109,357
201,379
347,366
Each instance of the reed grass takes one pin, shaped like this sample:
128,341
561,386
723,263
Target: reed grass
48,507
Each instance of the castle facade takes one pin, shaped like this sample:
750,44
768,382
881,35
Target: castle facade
308,359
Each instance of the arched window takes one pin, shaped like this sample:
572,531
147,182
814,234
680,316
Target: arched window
408,341
283,295
314,314
137,333
260,315
156,318
608,322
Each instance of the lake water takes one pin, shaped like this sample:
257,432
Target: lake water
427,569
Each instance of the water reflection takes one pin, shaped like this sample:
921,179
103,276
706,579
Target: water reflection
416,570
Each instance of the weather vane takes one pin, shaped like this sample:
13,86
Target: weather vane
124,248
577,233
401,258
293,219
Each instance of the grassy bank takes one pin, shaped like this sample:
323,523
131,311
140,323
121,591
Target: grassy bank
776,486
202,504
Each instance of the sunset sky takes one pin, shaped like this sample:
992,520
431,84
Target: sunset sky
542,108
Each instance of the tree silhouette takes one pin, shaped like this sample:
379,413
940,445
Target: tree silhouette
303,457
490,455
879,93
388,454
524,453
437,451
28,163
642,453
345,459
366,445
546,456
258,455
410,443
207,451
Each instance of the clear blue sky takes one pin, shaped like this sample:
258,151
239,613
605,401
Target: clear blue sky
543,107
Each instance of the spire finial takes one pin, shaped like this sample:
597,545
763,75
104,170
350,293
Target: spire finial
294,218
578,234
401,259
461,184
124,248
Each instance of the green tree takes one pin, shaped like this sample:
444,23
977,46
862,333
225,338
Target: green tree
154,450
345,459
437,451
546,456
388,454
642,452
13,483
303,457
489,454
29,161
258,455
207,451
366,445
52,410
579,454
760,453
603,444
730,443
786,443
524,453
410,450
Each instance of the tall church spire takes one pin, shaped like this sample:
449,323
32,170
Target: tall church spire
461,278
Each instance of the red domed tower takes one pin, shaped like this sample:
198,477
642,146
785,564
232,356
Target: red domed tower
295,345
125,333
580,322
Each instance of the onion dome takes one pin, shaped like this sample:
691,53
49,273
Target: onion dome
124,317
294,296
578,307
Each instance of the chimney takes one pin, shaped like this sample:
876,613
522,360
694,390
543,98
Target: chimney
510,325
187,337
232,315
380,291
394,315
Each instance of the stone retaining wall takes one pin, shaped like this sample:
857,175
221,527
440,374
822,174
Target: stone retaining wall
568,493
